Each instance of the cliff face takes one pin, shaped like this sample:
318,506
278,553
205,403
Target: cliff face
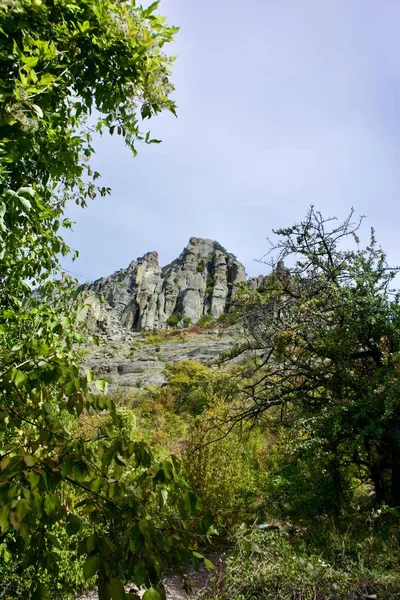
145,296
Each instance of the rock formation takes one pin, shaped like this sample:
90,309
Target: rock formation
145,296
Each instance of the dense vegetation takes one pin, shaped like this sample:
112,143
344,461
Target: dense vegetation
328,535
71,506
302,433
324,377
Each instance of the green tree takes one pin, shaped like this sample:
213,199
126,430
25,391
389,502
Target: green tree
69,68
327,331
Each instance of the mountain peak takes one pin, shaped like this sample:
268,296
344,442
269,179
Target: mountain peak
199,282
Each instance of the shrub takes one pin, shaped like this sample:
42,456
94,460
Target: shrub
204,320
187,380
174,319
200,268
267,566
219,469
187,321
157,423
298,474
153,338
220,247
209,285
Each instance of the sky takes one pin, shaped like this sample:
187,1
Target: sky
281,104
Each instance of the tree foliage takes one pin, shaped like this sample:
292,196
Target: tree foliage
60,62
327,331
68,69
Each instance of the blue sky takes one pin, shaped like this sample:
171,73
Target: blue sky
281,104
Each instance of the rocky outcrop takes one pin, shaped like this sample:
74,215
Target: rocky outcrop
145,296
264,281
140,360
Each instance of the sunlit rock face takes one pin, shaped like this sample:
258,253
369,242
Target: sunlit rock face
144,296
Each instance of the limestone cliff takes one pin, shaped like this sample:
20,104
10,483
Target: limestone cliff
145,296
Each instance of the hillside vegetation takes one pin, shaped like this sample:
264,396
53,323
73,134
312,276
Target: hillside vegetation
279,441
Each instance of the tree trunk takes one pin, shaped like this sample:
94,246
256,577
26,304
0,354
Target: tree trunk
395,484
379,483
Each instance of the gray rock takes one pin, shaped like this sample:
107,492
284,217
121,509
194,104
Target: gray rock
136,363
144,296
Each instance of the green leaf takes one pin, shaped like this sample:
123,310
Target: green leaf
18,377
49,504
46,79
30,61
84,26
117,590
26,191
151,594
73,524
22,509
145,111
90,566
91,542
29,460
34,479
4,522
101,385
104,591
17,50
14,520
4,462
151,8
41,593
168,470
25,203
209,565
139,573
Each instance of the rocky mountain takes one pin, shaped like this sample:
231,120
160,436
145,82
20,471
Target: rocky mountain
147,297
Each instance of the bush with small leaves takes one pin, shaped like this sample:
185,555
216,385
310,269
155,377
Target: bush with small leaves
218,466
204,320
174,320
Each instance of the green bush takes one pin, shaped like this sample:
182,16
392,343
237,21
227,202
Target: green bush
271,566
19,577
153,338
219,469
209,285
297,477
204,320
187,382
174,319
220,247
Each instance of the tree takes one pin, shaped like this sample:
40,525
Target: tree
60,61
68,68
327,335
